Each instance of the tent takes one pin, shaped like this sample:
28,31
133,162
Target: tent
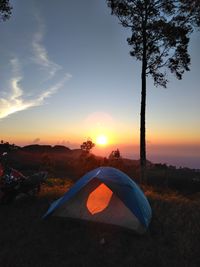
105,195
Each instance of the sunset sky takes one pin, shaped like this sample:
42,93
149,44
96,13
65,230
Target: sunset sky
66,75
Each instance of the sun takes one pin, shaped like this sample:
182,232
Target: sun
101,140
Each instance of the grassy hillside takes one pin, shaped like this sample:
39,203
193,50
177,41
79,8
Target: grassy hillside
172,240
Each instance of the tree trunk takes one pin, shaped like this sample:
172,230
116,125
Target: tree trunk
143,107
142,127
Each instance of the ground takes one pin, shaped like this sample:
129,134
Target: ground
27,240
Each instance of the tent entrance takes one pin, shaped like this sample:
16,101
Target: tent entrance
99,199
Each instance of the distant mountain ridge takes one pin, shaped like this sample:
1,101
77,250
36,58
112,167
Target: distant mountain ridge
46,148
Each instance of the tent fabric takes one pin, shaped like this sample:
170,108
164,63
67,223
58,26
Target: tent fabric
96,202
126,193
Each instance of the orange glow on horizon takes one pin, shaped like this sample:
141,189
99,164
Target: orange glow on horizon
99,199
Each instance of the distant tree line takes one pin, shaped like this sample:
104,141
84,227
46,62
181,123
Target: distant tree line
74,163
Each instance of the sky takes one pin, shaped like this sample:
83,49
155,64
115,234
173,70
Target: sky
66,76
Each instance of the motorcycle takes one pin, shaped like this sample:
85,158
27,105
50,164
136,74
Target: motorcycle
13,183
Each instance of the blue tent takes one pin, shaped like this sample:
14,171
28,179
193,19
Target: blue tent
105,195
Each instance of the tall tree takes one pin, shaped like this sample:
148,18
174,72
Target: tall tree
159,38
5,10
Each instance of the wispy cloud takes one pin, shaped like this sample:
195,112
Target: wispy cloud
36,140
41,56
16,100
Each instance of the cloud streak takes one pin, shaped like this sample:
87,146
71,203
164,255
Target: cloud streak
16,100
40,53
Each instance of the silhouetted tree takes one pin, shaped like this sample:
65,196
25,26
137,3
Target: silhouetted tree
5,10
160,36
115,154
87,146
7,147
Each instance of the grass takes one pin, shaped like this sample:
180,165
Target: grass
172,240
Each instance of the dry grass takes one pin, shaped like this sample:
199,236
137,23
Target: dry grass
26,240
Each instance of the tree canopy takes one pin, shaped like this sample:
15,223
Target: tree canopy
192,7
5,10
162,27
87,146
